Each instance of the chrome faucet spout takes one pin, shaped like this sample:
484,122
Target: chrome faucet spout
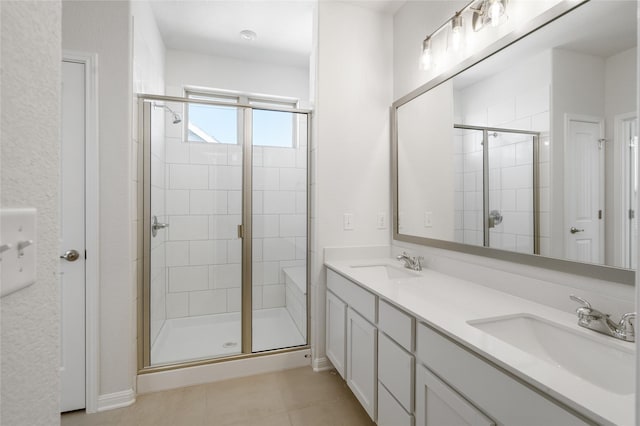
593,319
411,262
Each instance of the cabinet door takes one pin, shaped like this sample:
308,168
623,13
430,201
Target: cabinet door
437,404
336,332
361,361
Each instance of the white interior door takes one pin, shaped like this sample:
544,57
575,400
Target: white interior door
72,238
584,190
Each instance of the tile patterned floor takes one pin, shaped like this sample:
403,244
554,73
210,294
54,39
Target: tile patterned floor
297,397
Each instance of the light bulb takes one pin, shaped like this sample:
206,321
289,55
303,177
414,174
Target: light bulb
456,32
425,59
496,9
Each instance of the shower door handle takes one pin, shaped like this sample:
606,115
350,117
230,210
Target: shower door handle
575,230
157,225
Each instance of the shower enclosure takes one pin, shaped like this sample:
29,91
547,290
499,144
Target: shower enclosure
497,202
225,228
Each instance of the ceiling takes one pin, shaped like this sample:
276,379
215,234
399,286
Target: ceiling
283,27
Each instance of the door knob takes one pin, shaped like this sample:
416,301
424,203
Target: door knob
70,255
575,230
155,225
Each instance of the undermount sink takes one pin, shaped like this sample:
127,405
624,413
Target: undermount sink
607,366
389,271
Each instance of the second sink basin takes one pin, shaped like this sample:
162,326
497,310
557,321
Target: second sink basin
608,366
389,271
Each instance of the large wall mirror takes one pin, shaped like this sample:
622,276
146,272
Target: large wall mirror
530,154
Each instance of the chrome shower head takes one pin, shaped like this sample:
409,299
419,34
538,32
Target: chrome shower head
176,117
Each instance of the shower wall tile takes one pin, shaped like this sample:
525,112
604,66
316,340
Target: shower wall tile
278,249
176,201
273,296
188,228
266,179
188,278
208,252
279,202
177,305
207,302
265,226
207,202
234,202
234,251
177,253
207,153
234,155
278,157
177,151
234,300
225,177
183,176
225,276
293,225
224,227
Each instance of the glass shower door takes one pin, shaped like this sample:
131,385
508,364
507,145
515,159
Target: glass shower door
279,229
194,155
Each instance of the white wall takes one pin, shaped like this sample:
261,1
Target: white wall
194,69
31,59
104,27
351,151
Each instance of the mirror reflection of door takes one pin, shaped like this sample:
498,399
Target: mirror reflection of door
584,189
630,234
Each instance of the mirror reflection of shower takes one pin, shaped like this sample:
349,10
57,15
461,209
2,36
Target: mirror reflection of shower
176,117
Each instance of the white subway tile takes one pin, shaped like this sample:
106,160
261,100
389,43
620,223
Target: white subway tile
293,179
533,101
293,225
225,177
208,202
520,223
278,249
187,176
224,227
234,251
207,153
207,302
524,200
279,202
470,201
524,244
544,177
177,305
188,278
301,248
257,202
470,181
509,242
301,158
177,151
177,201
188,228
225,276
256,297
501,113
524,152
266,226
209,252
256,249
234,155
266,273
157,201
258,154
234,300
234,202
508,200
157,173
278,157
507,156
517,177
177,253
273,296
266,179
541,122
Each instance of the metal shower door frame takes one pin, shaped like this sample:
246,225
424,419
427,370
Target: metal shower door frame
244,232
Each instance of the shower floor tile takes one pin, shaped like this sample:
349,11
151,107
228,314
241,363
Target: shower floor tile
219,335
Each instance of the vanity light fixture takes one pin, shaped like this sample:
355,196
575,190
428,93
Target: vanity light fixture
483,12
456,31
425,59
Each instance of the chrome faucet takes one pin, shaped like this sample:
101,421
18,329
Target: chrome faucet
593,319
411,262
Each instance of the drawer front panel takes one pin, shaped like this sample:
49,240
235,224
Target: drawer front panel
396,324
508,402
355,296
390,413
396,370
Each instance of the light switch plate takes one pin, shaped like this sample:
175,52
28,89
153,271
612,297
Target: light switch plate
382,220
428,219
18,261
348,222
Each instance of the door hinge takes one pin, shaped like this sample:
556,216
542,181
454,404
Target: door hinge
240,231
632,214
599,214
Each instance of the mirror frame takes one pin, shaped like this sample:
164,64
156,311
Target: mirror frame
602,272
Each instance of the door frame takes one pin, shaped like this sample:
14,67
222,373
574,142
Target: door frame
621,183
90,60
601,165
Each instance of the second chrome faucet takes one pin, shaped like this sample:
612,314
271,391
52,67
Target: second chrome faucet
593,319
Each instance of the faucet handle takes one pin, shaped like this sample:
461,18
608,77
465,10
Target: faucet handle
580,300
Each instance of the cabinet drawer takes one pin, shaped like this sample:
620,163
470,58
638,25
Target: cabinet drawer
396,370
509,402
355,296
390,413
396,324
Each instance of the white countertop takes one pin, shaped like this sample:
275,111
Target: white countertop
447,303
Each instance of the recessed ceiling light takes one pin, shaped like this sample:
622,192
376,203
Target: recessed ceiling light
248,35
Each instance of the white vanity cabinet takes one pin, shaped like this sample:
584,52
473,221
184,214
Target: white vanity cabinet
352,338
484,393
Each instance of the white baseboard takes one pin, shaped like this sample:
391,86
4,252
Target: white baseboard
114,400
190,376
321,364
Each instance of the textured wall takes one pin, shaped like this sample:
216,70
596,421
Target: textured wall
30,143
